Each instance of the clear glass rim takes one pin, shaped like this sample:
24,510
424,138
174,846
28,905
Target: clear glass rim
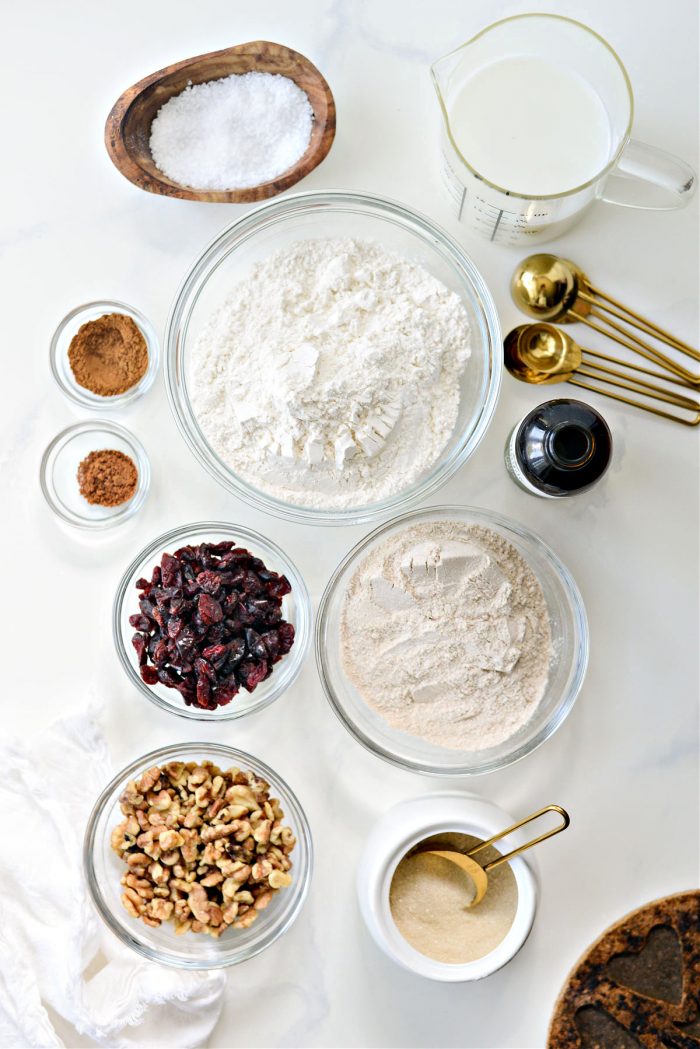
558,715
302,636
86,399
517,18
172,752
238,233
130,508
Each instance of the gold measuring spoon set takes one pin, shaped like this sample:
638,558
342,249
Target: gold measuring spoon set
549,288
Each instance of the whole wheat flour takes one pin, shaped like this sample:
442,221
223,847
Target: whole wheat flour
445,633
330,377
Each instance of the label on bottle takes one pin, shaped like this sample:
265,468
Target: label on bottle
515,470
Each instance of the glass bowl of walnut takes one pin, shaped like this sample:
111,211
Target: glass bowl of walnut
198,856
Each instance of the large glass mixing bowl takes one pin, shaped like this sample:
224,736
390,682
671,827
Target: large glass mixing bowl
229,258
569,632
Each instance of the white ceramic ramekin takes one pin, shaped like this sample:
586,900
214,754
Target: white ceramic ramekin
403,827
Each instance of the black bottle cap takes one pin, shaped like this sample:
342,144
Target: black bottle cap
564,446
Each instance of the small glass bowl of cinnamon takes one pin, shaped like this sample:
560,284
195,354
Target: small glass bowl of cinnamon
95,475
104,355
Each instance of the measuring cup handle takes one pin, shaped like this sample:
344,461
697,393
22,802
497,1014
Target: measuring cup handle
649,178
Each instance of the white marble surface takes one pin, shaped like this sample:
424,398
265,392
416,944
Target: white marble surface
626,762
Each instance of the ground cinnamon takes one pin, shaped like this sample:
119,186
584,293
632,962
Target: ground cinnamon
108,355
107,477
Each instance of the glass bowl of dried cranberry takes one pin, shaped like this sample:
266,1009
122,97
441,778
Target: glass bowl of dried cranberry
108,844
212,621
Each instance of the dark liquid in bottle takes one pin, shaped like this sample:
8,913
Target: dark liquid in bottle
560,448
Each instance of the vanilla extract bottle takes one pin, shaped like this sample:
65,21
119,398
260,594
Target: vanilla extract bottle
560,448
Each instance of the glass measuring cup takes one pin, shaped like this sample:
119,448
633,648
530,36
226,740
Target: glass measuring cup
634,175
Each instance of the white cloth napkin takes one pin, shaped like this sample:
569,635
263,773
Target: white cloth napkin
56,957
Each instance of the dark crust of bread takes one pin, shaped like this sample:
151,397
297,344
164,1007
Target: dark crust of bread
653,1022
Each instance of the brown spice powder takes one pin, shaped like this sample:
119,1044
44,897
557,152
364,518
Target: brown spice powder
108,355
107,477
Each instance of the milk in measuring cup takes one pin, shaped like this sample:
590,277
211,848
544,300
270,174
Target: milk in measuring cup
530,131
530,126
537,113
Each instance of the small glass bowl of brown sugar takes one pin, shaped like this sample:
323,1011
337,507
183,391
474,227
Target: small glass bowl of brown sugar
104,355
95,475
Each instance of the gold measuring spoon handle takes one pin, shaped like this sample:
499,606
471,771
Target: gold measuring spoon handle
649,389
643,347
479,874
565,821
635,404
645,389
639,368
631,342
644,324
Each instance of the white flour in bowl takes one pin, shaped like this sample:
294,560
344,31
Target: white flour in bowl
330,377
446,635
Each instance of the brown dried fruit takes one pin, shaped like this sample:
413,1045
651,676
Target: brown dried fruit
210,623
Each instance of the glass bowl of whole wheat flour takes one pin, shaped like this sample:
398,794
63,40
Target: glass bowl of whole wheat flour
332,358
451,641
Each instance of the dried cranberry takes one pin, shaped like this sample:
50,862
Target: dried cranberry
278,586
216,654
178,605
255,644
222,547
251,674
175,625
271,641
203,693
168,676
160,653
225,695
149,675
210,622
187,644
139,643
216,634
209,582
170,567
236,653
285,632
210,610
204,669
140,622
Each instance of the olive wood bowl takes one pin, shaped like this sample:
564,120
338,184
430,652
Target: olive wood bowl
128,127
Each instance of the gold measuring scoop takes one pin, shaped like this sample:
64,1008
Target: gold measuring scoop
542,354
550,288
480,875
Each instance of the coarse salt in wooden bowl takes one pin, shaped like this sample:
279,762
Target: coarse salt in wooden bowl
128,127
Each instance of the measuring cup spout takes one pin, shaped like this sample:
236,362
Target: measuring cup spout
440,72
